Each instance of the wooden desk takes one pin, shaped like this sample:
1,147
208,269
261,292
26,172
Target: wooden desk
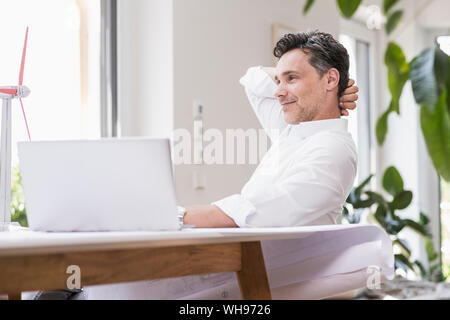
32,261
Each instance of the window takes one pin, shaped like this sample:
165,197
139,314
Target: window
360,123
62,67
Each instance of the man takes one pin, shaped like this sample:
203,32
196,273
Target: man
306,176
303,179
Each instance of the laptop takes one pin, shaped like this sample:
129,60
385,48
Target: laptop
99,185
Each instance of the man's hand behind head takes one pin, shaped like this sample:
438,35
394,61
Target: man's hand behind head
349,98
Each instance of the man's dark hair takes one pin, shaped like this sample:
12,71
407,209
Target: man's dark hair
323,50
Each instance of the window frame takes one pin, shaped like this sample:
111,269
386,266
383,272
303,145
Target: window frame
109,115
359,32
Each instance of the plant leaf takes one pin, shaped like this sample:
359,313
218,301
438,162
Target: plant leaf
361,204
392,181
404,260
394,224
348,7
393,20
345,212
366,203
388,4
395,57
398,73
18,210
382,126
417,227
376,197
431,253
351,198
402,200
435,125
442,72
441,65
380,216
355,194
421,268
430,76
423,220
308,6
423,79
359,188
400,265
402,243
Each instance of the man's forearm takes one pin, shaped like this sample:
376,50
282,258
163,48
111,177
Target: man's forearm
208,216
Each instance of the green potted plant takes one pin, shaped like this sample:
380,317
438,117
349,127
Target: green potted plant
386,212
18,210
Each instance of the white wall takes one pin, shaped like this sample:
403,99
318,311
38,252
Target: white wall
145,67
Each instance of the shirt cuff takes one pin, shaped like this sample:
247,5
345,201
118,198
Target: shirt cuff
237,208
259,82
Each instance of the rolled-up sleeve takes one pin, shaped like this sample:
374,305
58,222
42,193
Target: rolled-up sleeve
258,83
237,208
260,90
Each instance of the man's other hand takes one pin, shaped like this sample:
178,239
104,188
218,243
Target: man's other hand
349,98
208,216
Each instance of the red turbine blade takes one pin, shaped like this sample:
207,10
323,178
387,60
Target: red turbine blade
26,123
8,91
22,64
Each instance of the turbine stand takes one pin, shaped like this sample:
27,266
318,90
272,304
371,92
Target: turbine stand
5,168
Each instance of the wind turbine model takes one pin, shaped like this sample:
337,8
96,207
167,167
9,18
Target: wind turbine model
7,94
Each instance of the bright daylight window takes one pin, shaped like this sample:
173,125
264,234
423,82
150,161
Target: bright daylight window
445,196
62,67
359,119
62,70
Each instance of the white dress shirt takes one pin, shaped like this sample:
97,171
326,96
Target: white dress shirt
304,178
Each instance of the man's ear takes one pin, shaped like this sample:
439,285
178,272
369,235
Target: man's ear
333,78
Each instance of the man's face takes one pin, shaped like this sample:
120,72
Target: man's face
301,91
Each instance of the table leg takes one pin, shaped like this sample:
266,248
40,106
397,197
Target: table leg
252,277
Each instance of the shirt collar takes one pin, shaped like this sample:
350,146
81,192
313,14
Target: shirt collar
307,129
